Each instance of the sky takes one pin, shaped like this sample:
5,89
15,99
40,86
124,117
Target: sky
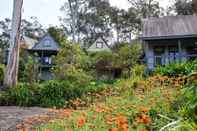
48,11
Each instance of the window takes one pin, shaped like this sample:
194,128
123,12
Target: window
99,45
173,54
159,55
47,43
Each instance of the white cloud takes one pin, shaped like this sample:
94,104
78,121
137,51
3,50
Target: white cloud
45,1
123,4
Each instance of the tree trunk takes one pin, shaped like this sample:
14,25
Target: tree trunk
10,79
73,24
194,6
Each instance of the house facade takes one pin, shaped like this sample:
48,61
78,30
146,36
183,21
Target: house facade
43,53
169,39
99,45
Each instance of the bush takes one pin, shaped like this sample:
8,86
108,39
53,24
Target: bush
51,93
138,70
28,69
189,96
2,71
22,95
177,69
72,64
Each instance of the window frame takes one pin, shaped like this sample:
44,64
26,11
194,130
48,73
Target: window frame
99,45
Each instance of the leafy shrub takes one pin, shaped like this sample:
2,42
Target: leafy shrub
126,86
73,64
178,69
138,70
28,69
22,95
172,69
190,98
2,71
51,93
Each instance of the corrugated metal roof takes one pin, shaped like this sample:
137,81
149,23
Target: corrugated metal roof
169,27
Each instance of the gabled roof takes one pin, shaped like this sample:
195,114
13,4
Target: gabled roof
170,27
94,48
100,39
52,45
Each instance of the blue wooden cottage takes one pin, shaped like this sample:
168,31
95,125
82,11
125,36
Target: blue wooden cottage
43,53
169,39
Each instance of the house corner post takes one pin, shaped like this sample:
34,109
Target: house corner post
180,50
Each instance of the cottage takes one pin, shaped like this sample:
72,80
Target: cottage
45,49
99,45
169,39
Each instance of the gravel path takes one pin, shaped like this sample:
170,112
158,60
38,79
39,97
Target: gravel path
11,116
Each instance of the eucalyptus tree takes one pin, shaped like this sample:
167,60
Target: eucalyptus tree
70,20
85,20
147,8
183,7
10,79
5,26
32,28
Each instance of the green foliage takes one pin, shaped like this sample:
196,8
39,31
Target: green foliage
22,95
138,70
28,68
2,71
103,59
126,86
172,69
127,57
190,101
177,69
183,7
58,34
51,93
187,101
72,64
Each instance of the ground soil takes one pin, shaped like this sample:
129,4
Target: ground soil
11,116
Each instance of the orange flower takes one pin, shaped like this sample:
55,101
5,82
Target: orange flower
91,126
113,129
122,123
109,120
84,114
47,129
121,120
124,127
80,122
94,117
143,129
144,119
23,129
143,109
69,129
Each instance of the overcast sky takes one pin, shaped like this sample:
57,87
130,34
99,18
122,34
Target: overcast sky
47,11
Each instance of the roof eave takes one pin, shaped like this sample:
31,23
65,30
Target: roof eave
169,37
43,50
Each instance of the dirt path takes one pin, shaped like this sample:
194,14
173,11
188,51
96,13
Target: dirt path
11,116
